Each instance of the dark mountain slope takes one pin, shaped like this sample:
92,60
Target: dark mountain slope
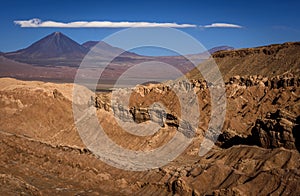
54,49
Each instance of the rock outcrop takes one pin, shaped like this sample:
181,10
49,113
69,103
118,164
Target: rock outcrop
282,81
277,130
257,97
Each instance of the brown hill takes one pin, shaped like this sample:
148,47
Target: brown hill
269,61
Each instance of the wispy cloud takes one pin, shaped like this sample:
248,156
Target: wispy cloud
221,25
35,22
97,24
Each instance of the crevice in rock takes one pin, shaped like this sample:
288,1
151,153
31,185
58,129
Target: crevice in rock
296,133
233,141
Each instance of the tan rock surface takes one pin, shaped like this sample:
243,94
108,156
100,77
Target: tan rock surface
41,151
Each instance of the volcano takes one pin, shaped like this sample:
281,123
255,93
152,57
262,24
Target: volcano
54,49
57,49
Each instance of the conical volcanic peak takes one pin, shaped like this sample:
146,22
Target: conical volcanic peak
54,49
54,45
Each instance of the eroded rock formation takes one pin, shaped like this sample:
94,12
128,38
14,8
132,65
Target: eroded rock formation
266,109
42,153
276,130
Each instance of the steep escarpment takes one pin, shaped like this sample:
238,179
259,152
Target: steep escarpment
251,102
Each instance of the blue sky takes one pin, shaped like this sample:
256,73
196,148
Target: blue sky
262,22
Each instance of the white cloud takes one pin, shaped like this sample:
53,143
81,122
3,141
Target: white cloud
35,22
97,24
221,25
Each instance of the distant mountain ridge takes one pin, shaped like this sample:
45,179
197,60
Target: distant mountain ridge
106,49
58,49
220,48
270,60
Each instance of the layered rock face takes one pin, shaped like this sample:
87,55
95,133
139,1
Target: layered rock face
155,112
276,130
268,119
